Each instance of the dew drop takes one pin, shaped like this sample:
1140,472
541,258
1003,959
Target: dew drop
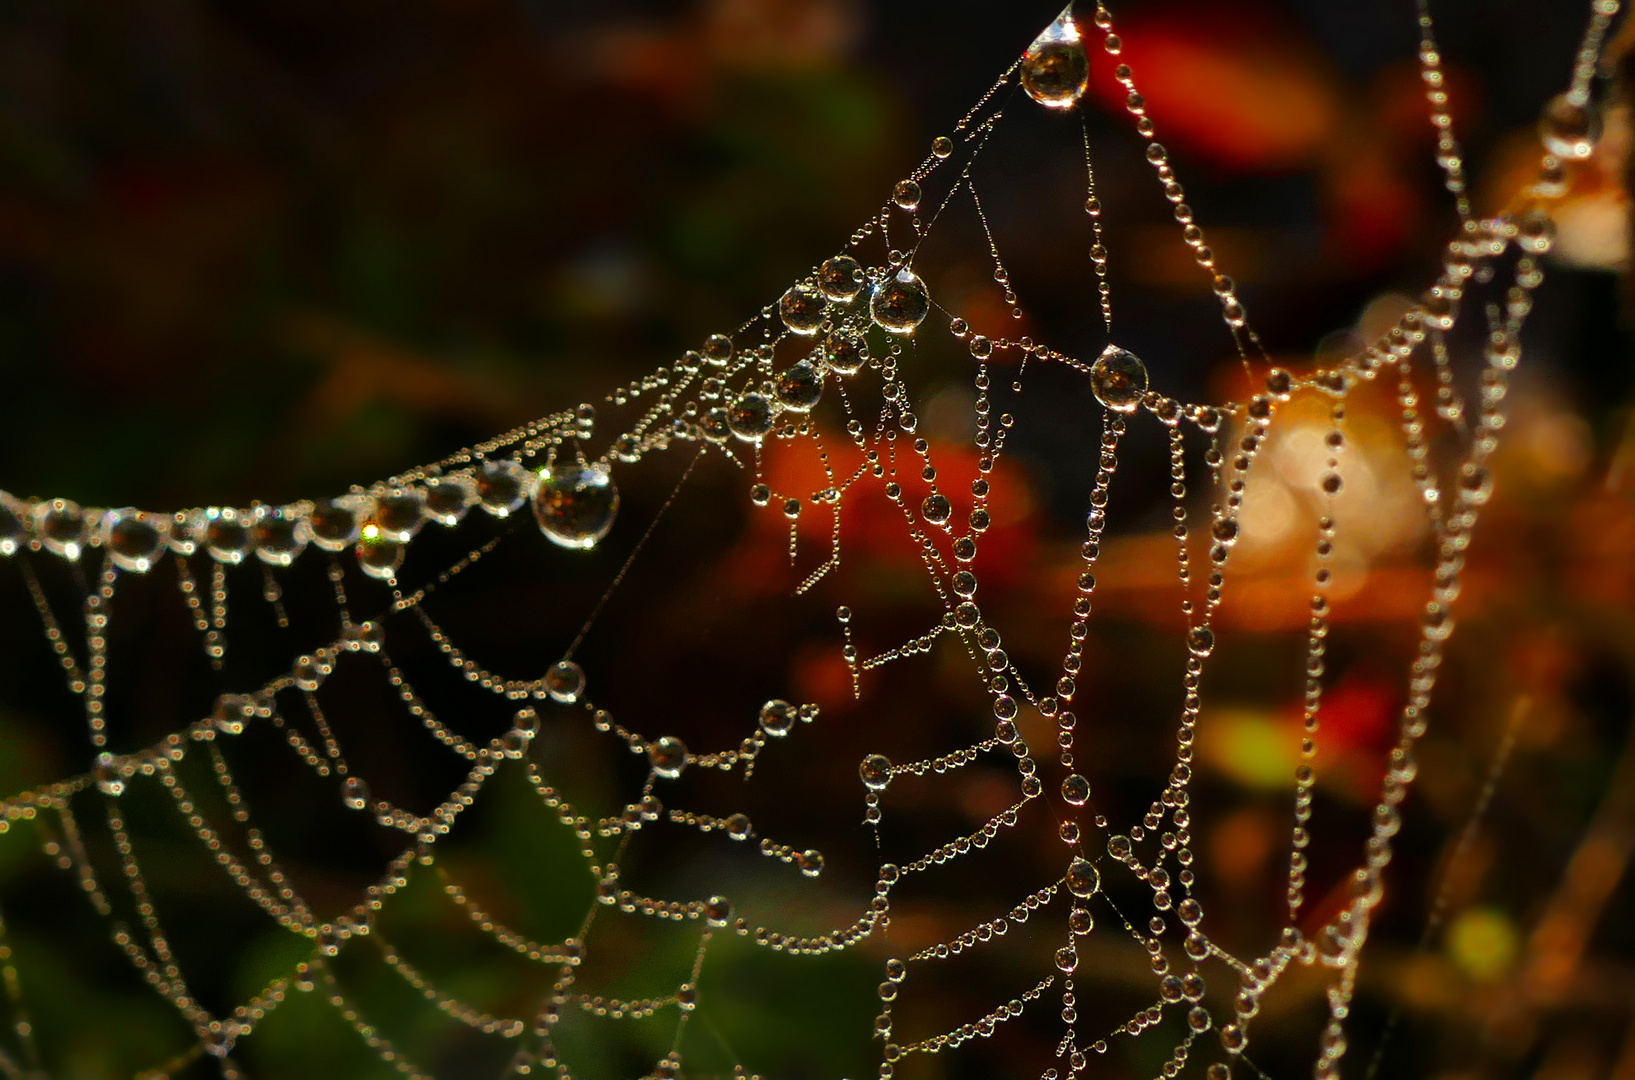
13,524
448,499
875,771
717,909
227,536
575,504
802,309
937,509
718,349
400,513
503,486
1118,379
335,523
800,387
668,757
900,302
1056,68
1475,484
1075,790
1067,959
778,717
845,353
134,540
1569,129
377,556
1200,641
355,793
750,417
810,862
906,195
308,674
840,279
1083,879
110,779
565,682
942,146
281,535
738,827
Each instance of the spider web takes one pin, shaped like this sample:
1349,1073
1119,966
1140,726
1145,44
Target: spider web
809,408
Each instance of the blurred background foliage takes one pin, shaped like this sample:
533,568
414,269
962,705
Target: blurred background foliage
269,250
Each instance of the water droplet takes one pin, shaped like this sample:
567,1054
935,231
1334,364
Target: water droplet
718,349
377,556
840,279
281,535
845,353
335,523
575,504
14,517
875,771
1475,484
802,308
109,777
1535,232
1118,847
942,146
355,793
61,527
750,417
1056,69
1200,641
365,636
778,717
1332,483
448,499
1119,379
906,195
668,756
308,673
399,513
810,862
718,909
1067,959
226,534
1190,911
800,387
1083,879
134,540
1279,384
1568,128
900,302
937,509
503,486
1075,790
565,682
1080,921
738,827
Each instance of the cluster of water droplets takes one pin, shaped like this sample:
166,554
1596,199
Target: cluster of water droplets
847,323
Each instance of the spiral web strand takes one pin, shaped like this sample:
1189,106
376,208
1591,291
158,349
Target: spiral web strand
842,337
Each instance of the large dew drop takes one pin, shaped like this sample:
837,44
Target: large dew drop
900,302
1118,379
802,308
575,504
134,540
1056,69
800,387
